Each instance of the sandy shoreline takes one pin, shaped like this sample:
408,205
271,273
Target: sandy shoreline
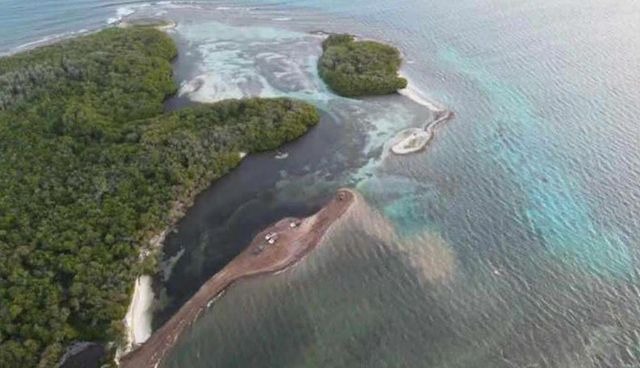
415,95
258,258
138,318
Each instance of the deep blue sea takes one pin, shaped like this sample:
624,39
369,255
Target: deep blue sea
512,241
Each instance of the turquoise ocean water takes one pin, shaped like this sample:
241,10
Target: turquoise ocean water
511,242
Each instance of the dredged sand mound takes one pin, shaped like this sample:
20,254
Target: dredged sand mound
258,258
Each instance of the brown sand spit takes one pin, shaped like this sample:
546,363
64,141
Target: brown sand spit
260,257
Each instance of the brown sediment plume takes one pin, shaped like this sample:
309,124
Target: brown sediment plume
372,222
259,258
430,256
427,253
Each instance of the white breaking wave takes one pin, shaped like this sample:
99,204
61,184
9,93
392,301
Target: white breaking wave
121,12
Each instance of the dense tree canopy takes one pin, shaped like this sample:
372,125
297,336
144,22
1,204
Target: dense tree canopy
360,68
89,170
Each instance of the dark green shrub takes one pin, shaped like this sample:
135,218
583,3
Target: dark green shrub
360,68
89,169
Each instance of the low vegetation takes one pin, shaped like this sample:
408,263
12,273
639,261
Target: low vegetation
360,68
157,23
90,168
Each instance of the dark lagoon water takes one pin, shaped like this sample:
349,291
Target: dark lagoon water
511,242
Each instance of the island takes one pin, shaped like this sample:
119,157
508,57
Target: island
413,140
272,250
354,68
92,169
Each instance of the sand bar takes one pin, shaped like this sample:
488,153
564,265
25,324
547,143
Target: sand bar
410,140
415,139
260,257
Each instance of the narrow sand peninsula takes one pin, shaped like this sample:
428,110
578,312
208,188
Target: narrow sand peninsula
414,139
258,258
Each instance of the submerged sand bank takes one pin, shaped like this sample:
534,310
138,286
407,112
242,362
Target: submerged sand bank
260,257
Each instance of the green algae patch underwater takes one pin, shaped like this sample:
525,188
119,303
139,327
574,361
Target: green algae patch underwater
92,169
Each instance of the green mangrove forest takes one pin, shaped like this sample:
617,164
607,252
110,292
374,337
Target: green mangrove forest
90,169
360,68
